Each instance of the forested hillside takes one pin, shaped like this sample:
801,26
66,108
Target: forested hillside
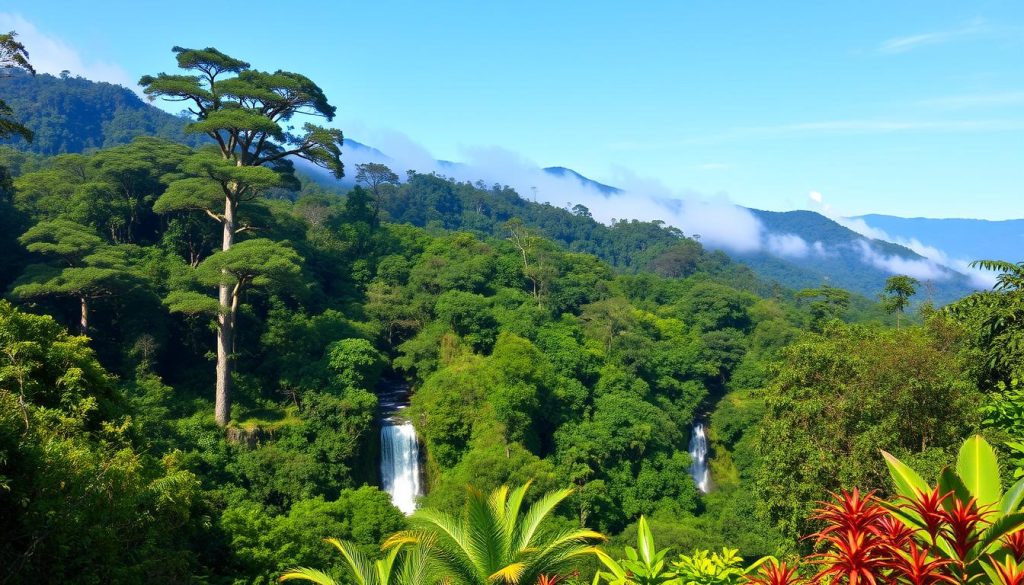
843,258
70,114
195,343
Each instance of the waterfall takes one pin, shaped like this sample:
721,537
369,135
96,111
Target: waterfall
400,464
699,457
399,450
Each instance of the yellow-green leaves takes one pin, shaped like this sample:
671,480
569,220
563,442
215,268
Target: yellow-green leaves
907,481
1012,498
978,469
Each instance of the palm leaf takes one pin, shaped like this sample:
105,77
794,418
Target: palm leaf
361,567
508,574
1012,498
536,515
1000,528
949,481
485,531
307,574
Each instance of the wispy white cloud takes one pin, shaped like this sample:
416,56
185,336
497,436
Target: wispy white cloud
718,222
932,266
791,246
920,268
976,100
917,268
714,166
904,44
49,54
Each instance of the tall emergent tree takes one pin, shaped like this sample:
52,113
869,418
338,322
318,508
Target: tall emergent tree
244,112
12,56
374,175
898,290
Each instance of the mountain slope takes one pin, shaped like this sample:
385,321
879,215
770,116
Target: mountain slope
563,172
72,114
962,239
841,257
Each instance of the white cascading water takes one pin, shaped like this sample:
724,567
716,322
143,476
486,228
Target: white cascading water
400,464
399,451
699,457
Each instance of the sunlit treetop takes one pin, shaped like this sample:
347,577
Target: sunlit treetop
244,110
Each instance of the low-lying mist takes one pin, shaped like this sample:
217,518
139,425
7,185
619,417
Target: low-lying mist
717,221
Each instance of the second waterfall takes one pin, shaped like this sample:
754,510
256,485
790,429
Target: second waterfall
699,458
399,450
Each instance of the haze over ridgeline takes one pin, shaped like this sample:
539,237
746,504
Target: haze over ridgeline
907,110
904,118
801,249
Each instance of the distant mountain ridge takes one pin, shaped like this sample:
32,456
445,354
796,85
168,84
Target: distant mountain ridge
961,239
74,114
847,259
563,172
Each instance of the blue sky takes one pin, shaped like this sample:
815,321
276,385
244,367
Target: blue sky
909,108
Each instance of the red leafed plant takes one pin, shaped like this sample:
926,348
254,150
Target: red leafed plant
930,507
1009,573
917,567
777,574
965,523
964,530
548,579
893,532
854,550
1014,542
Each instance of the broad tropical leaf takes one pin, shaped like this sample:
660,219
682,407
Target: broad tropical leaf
979,470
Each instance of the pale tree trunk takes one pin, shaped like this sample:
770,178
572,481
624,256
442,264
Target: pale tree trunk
83,319
225,328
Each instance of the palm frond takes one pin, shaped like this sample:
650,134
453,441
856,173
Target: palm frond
415,568
484,529
535,516
508,574
447,542
361,567
307,574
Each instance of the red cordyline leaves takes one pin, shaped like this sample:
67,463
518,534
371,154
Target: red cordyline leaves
1009,573
865,544
776,574
929,506
893,532
548,579
917,567
1015,542
849,512
962,526
855,552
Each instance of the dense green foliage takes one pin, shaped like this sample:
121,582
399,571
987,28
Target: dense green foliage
539,345
70,114
13,57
